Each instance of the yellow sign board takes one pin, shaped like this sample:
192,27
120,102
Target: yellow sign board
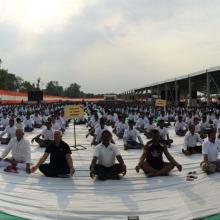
160,103
73,111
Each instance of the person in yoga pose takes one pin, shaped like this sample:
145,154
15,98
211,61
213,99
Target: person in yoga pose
151,161
103,163
21,154
61,163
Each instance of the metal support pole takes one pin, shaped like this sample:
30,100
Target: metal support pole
166,98
176,93
208,88
190,91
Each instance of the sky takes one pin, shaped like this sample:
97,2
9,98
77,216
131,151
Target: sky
108,46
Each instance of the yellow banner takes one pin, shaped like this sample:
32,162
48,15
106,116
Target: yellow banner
160,103
73,111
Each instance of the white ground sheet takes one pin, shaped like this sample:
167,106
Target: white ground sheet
37,197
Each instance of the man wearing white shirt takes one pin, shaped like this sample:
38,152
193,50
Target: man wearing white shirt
149,127
180,127
21,154
103,163
47,136
210,150
98,132
37,121
8,133
191,141
141,121
4,121
130,137
164,133
28,124
120,127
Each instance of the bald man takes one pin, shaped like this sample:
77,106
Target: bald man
21,154
61,164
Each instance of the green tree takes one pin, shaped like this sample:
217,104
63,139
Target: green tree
73,91
26,86
9,81
53,88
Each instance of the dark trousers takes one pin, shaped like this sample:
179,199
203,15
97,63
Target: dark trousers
28,129
51,171
133,145
196,149
43,143
107,172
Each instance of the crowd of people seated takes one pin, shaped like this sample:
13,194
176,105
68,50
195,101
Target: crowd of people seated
139,126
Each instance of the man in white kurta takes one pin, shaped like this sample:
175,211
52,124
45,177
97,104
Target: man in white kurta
20,154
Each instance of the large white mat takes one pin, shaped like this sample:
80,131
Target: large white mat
37,197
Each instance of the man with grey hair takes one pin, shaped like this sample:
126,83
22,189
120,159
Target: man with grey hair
21,154
61,164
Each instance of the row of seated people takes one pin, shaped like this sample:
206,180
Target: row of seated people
129,132
55,122
103,162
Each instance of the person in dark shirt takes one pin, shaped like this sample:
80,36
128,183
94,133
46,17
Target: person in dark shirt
151,161
61,163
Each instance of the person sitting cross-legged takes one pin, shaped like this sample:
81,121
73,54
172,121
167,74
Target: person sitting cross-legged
47,136
130,137
103,163
210,150
180,127
192,142
164,133
21,154
61,163
151,161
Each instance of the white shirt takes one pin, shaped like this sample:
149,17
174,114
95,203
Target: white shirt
106,155
140,123
204,125
131,135
20,150
28,123
56,126
191,140
38,120
10,131
120,127
98,133
63,122
211,149
5,122
180,126
163,132
149,127
48,134
19,125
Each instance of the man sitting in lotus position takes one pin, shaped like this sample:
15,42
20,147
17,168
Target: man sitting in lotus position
21,154
151,161
61,164
105,154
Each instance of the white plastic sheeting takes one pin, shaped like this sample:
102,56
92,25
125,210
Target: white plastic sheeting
37,197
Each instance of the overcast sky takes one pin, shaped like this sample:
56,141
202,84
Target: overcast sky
108,45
